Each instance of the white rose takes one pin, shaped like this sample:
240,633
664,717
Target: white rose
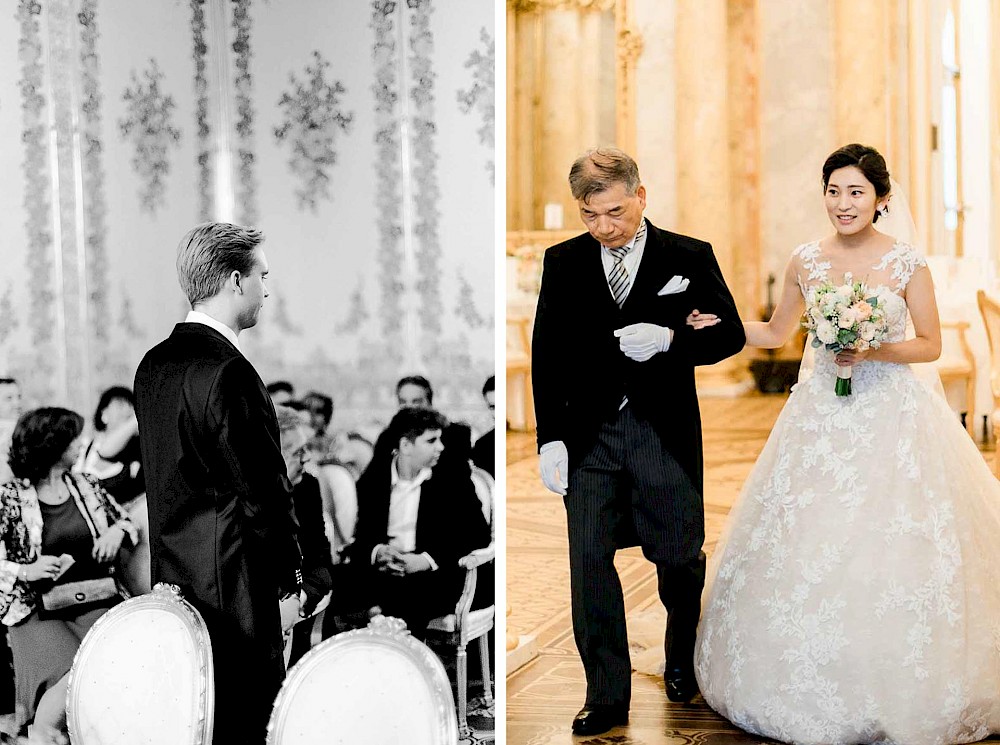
846,292
867,331
847,318
826,333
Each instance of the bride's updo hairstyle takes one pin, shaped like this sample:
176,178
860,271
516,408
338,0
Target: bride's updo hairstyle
866,159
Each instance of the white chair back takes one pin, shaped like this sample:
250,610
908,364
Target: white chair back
143,674
373,686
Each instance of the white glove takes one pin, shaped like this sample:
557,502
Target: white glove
554,465
640,341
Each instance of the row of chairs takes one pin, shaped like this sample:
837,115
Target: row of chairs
143,674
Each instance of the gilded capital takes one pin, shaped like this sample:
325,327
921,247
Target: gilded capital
530,6
629,46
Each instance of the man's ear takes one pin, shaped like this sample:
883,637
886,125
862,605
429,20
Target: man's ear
236,282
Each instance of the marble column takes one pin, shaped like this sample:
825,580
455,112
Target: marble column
861,65
994,135
744,64
655,109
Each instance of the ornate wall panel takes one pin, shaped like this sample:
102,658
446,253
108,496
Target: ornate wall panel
357,135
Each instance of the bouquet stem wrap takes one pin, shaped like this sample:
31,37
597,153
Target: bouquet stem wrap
843,387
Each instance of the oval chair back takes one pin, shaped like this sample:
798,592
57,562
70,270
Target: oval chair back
143,674
372,685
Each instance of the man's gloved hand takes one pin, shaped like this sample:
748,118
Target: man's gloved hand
554,465
640,341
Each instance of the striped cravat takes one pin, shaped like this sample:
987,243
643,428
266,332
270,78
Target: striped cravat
618,279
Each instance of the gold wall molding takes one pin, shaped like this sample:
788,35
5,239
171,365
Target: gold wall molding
534,6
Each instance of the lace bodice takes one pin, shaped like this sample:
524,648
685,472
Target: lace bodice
887,279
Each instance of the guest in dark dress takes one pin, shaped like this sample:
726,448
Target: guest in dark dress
55,528
114,457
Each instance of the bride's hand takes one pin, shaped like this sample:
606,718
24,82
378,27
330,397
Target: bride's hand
850,357
699,320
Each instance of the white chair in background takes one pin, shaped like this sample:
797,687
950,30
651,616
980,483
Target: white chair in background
464,625
373,686
143,674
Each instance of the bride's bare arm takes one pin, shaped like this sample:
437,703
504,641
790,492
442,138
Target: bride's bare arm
785,319
926,346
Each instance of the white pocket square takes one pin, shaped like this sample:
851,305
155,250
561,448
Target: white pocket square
676,284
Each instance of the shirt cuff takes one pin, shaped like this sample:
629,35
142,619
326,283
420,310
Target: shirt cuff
375,552
549,446
430,561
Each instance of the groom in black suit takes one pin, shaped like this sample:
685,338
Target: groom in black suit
619,430
220,514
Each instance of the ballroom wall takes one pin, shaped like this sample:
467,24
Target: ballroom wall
730,108
358,135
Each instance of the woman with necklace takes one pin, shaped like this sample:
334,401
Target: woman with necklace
56,528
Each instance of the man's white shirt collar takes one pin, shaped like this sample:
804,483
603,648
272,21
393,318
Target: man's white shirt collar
196,316
422,475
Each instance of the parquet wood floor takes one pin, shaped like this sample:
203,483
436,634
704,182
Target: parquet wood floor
543,696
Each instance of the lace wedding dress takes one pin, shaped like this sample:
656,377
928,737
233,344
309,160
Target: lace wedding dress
856,595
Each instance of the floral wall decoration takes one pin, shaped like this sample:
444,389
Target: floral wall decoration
312,118
8,314
94,205
37,204
206,195
358,313
149,125
126,318
246,182
479,97
465,307
389,174
427,194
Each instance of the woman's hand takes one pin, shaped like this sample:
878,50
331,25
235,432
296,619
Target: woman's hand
701,320
106,547
850,357
44,567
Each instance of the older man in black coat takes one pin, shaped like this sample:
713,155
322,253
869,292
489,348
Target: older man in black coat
220,519
619,430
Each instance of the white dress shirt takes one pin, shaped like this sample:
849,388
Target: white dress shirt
631,260
196,316
404,503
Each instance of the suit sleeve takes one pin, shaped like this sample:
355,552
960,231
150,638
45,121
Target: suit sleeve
546,356
465,528
715,343
244,421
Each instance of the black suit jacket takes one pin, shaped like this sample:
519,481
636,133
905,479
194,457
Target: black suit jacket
578,372
317,566
220,514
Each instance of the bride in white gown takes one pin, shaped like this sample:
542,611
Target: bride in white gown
855,597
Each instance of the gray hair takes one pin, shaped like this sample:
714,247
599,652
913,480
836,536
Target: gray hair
288,419
210,253
600,169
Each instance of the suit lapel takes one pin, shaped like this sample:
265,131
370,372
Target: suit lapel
593,280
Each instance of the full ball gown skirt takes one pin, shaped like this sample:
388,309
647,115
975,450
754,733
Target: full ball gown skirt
856,596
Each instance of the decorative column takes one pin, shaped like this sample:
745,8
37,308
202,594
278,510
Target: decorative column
745,155
994,108
862,62
703,157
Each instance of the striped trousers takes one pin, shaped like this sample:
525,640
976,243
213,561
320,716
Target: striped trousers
628,485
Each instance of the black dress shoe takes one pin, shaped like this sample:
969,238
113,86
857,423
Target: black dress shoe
681,686
593,719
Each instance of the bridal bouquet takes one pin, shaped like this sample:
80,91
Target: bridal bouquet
845,316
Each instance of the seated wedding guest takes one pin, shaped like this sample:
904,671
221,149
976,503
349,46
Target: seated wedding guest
10,410
113,456
482,452
354,452
415,392
56,530
416,518
281,392
316,566
320,408
338,491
